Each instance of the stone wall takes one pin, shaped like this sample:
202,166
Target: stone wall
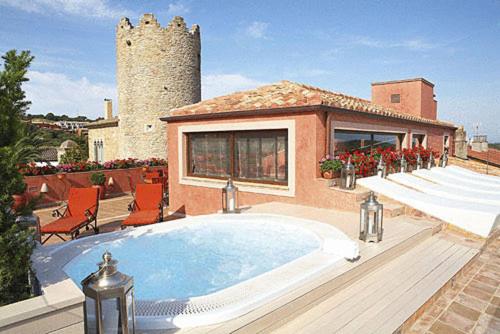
109,136
158,69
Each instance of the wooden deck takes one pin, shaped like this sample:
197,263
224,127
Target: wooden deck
386,298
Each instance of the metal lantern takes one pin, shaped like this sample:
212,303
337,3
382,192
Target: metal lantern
348,176
404,164
431,163
230,198
419,161
381,168
109,300
443,162
371,219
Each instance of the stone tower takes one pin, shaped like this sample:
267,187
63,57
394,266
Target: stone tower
158,69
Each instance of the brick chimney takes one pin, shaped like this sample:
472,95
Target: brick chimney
410,96
108,109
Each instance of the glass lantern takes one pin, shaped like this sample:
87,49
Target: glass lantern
230,198
443,162
109,300
431,163
348,176
404,165
419,161
371,219
381,168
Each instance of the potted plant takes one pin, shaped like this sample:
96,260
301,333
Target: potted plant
18,197
330,167
98,180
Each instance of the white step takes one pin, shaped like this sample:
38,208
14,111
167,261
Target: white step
383,300
452,182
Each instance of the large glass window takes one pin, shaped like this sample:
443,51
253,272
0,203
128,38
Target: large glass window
348,141
209,154
244,155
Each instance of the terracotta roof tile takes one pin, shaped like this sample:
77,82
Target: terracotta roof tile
285,94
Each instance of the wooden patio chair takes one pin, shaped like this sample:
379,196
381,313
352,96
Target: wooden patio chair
79,212
147,206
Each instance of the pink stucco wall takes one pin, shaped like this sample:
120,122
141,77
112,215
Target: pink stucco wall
311,145
417,97
124,181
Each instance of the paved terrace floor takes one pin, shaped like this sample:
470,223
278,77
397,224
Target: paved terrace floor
472,305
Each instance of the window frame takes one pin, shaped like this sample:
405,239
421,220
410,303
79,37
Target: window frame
232,136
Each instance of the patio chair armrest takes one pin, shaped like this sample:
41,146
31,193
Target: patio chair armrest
61,211
90,216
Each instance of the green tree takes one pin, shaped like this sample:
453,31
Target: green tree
72,155
16,242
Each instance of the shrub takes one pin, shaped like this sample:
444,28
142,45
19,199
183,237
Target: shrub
98,179
72,155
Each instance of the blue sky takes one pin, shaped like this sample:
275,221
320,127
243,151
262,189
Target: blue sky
337,45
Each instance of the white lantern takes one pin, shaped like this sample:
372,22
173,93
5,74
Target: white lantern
371,219
109,300
348,176
230,198
381,168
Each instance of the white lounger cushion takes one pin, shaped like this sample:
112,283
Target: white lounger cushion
479,219
450,181
444,190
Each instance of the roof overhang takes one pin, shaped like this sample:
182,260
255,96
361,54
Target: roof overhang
291,110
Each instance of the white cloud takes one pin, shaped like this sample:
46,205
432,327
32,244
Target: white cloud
87,8
213,85
59,94
178,8
257,29
414,44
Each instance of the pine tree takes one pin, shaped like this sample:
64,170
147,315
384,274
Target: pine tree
16,242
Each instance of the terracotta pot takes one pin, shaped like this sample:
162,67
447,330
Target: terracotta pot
102,190
61,176
19,201
328,174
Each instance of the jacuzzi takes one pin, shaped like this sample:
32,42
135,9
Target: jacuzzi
204,270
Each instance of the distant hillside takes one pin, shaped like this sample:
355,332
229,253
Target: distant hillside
495,145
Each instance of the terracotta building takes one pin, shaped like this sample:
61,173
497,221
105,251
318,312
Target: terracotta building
270,139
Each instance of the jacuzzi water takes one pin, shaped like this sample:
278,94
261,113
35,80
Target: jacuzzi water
200,259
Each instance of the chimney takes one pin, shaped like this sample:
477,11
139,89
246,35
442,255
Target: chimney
411,96
108,109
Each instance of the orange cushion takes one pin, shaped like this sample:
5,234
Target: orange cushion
144,217
64,224
148,196
81,199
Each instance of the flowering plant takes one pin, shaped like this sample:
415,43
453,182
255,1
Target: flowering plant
32,169
365,162
329,163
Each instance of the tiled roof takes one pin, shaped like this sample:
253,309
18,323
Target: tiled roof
286,94
48,154
103,123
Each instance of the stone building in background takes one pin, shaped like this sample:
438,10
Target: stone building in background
158,69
